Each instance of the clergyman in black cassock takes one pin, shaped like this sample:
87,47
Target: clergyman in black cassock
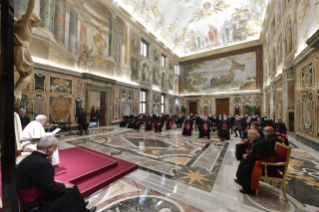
81,118
261,149
204,129
35,182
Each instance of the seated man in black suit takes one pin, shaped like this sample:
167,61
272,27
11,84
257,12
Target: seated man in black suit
36,185
25,120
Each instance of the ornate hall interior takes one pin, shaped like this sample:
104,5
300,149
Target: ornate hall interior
140,72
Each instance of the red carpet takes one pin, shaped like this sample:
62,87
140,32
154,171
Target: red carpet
78,164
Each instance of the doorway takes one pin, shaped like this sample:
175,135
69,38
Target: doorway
193,108
97,102
222,106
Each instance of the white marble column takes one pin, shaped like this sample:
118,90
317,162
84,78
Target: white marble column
285,116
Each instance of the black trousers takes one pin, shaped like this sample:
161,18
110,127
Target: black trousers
83,125
70,201
243,174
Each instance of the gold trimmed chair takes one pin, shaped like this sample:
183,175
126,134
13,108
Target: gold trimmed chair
282,162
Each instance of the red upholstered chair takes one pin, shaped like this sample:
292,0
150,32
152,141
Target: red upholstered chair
282,162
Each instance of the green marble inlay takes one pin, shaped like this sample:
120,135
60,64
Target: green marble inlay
47,14
20,7
150,142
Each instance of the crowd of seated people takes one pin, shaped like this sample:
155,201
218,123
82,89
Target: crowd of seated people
223,125
150,121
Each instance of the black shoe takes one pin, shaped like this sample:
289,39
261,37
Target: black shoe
86,203
92,209
247,191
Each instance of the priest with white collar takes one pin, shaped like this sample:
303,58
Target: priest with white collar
35,130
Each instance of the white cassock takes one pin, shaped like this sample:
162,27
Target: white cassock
35,130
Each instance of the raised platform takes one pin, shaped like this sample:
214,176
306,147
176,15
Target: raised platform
90,170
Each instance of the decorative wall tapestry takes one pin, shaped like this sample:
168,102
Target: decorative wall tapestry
60,85
236,72
39,82
134,65
156,76
116,110
59,110
279,49
164,81
79,87
307,76
307,112
38,105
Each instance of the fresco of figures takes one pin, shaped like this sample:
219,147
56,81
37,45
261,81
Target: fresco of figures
231,73
199,25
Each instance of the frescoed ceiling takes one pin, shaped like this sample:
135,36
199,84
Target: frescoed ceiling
192,26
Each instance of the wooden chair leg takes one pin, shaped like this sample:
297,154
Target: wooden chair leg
284,190
256,193
273,184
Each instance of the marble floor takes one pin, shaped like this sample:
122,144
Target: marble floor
177,174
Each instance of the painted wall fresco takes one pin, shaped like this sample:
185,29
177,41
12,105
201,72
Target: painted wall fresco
231,73
198,26
134,66
306,22
125,102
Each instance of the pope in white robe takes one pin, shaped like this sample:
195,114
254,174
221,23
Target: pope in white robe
35,130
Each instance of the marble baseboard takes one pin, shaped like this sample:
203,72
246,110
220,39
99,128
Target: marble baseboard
308,142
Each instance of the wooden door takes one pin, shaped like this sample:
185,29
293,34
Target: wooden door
222,107
193,108
102,109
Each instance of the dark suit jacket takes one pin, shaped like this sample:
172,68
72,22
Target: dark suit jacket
36,171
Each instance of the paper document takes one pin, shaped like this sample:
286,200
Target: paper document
56,131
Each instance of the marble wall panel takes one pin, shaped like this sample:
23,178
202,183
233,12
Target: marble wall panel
78,102
307,76
60,109
60,85
38,105
291,95
299,112
79,87
288,35
279,109
116,110
126,108
317,114
316,69
307,112
39,82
